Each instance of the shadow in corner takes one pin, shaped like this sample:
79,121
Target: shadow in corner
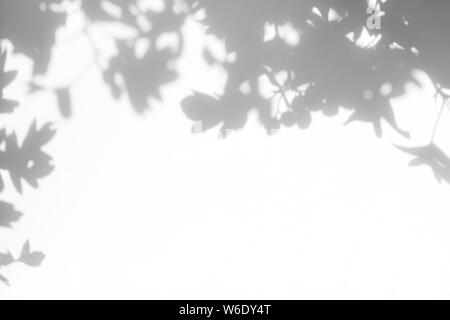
321,56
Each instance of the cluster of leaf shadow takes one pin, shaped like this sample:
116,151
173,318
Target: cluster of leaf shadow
326,71
23,161
31,27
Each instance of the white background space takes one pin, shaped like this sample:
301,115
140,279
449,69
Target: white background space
139,207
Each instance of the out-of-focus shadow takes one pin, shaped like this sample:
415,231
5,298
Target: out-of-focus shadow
433,157
8,215
31,27
323,55
25,161
27,257
354,55
317,55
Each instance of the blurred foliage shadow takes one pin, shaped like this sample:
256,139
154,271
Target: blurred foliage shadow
316,60
23,161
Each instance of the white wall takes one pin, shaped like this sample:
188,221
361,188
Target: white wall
138,207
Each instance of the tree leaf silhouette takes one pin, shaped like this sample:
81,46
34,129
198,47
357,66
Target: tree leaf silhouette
30,258
26,161
27,257
8,214
4,280
430,155
6,77
6,258
64,102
